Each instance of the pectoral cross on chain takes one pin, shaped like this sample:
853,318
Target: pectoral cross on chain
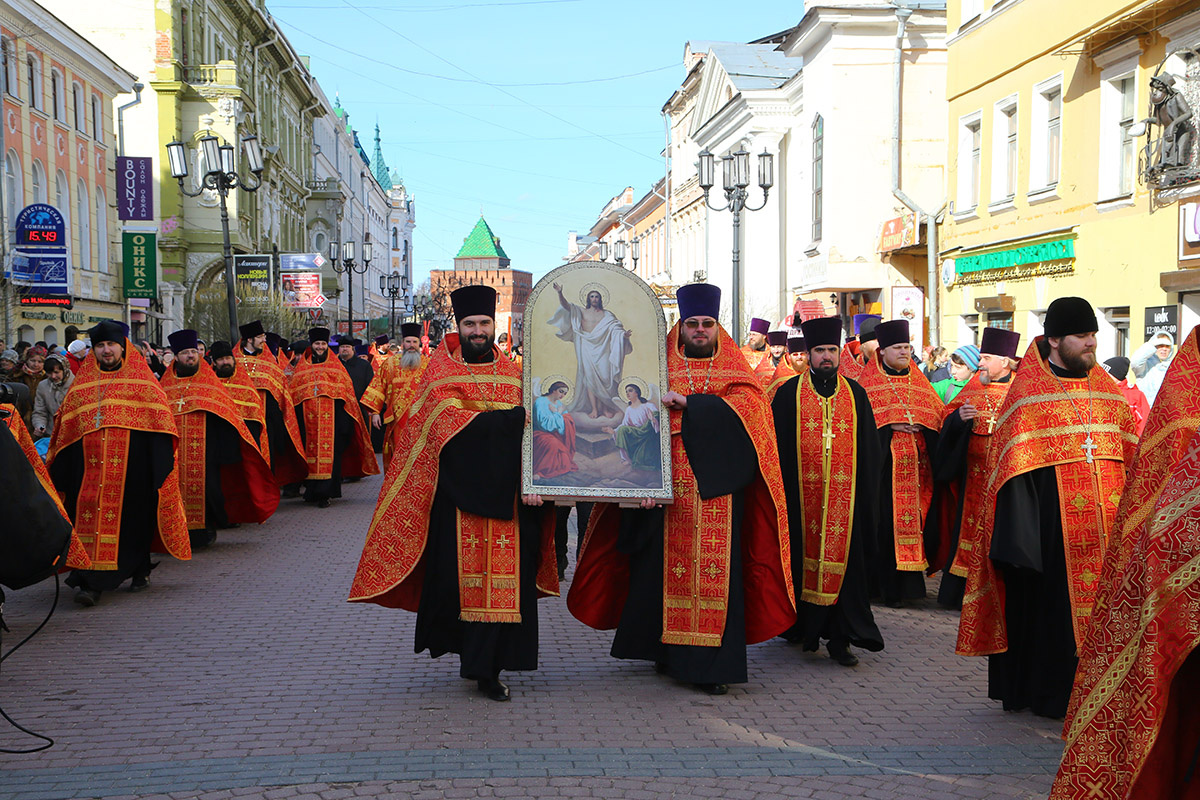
179,404
908,413
828,436
991,423
1088,447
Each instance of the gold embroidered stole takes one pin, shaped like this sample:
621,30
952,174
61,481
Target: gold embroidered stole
102,495
826,461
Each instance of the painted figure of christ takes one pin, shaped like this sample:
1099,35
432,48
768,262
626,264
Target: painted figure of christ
601,344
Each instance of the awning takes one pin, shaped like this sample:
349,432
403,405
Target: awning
1144,17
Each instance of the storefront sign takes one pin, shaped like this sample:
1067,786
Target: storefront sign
139,253
1056,250
43,270
74,317
254,269
300,262
38,315
56,300
360,326
302,289
897,233
1162,319
908,302
135,188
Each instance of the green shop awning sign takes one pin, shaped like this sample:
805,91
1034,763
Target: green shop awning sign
1056,250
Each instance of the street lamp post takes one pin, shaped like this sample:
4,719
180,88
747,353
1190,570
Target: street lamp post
222,177
350,267
735,179
389,287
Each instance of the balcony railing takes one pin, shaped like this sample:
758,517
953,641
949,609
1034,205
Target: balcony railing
223,73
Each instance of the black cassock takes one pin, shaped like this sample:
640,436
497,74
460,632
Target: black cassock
850,618
891,584
724,461
223,446
361,373
151,459
279,441
480,473
1038,670
950,467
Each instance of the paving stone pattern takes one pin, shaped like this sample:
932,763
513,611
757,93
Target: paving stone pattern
244,673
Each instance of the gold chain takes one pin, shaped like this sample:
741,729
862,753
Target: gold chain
488,406
687,362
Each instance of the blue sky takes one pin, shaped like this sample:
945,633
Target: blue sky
539,160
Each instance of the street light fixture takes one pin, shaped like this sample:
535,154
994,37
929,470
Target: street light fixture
350,267
603,250
221,177
735,178
619,251
635,251
389,287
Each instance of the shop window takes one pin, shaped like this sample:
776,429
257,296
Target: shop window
1000,319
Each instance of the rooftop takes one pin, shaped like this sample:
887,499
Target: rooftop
482,243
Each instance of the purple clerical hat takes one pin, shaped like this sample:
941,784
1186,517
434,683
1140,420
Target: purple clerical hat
699,300
381,340
822,331
859,319
777,337
759,325
999,342
892,332
183,340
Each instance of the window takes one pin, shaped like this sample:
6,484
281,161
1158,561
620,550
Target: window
1118,149
79,108
83,214
1053,135
35,80
1004,150
968,329
9,53
1113,335
1125,158
969,161
818,177
97,120
1000,319
101,231
971,11
38,178
12,188
57,99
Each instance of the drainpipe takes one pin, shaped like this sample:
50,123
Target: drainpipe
935,320
137,98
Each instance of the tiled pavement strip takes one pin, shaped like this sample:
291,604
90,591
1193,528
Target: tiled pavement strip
244,673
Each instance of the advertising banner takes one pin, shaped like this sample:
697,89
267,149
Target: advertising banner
139,256
135,188
254,269
301,289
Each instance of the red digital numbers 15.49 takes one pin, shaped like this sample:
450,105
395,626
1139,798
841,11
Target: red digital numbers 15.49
42,236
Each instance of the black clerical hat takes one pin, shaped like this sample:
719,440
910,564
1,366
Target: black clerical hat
1068,316
299,346
473,301
410,329
362,349
183,340
777,337
274,340
251,329
795,344
822,331
318,335
894,331
868,327
381,340
109,330
220,349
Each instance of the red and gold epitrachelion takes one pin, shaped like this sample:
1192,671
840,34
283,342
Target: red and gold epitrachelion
316,388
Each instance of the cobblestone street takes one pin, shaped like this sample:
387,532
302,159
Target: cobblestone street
245,673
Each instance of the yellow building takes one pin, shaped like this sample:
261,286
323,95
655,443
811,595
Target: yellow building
1055,188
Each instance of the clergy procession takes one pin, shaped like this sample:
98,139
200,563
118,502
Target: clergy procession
814,475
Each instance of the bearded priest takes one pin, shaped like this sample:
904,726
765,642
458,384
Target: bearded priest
394,387
831,461
336,443
689,585
450,540
1056,471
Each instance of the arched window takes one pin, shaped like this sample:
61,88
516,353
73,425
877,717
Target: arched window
38,179
58,99
79,109
395,238
35,81
50,335
12,188
83,212
101,231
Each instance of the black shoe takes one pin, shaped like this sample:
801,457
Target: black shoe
139,583
495,690
323,502
660,667
202,538
87,597
842,655
713,688
290,492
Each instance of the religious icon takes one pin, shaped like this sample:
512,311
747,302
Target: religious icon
595,370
